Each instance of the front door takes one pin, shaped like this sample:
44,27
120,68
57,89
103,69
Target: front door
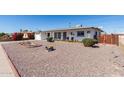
55,35
64,35
95,36
48,34
59,35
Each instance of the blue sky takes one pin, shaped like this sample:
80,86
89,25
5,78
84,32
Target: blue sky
11,23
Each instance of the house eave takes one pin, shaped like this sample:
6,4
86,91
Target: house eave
73,29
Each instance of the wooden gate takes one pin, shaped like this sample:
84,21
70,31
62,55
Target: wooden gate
109,39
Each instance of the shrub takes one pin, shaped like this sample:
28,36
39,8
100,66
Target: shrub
88,42
5,38
50,39
14,36
17,36
95,41
2,34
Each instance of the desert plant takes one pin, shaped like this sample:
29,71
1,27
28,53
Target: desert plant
50,39
88,42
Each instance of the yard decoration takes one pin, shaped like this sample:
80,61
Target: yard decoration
50,48
30,44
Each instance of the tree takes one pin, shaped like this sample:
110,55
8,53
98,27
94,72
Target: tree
2,34
21,30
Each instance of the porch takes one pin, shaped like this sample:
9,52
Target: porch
60,35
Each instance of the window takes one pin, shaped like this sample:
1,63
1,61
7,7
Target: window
80,33
72,33
48,34
67,38
59,35
72,38
96,33
88,32
55,35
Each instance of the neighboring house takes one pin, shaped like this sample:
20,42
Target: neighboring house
27,34
121,39
75,33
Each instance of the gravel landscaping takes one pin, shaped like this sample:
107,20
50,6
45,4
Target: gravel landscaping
68,59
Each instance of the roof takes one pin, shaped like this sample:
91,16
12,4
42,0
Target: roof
74,28
120,34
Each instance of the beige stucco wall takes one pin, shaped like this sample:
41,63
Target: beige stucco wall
91,34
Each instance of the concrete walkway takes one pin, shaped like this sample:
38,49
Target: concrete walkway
6,67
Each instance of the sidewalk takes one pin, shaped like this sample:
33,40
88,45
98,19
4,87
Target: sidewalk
6,67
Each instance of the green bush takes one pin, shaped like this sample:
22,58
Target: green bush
88,42
50,39
2,34
95,41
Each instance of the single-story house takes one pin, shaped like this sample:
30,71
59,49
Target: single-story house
75,33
